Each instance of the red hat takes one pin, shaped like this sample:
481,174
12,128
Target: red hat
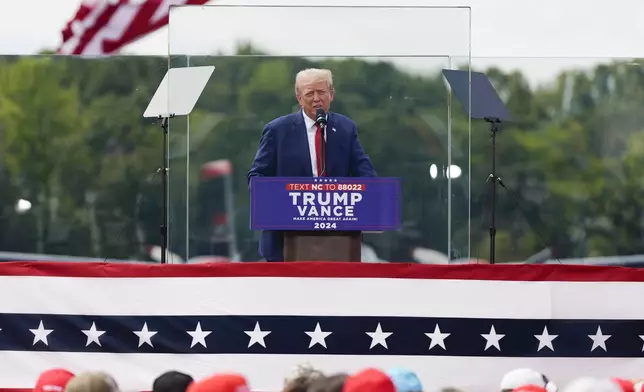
220,383
626,385
529,388
369,380
53,380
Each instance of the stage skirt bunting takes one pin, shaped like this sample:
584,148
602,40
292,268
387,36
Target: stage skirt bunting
456,326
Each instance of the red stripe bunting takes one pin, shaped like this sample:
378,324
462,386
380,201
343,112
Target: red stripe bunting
518,272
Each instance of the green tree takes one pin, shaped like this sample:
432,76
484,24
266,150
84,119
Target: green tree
73,141
42,131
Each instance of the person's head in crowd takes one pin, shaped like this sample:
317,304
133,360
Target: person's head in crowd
519,377
53,380
226,382
405,380
332,383
369,380
92,382
172,381
589,384
529,388
302,380
335,382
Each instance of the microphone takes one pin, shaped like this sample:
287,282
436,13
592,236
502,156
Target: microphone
320,119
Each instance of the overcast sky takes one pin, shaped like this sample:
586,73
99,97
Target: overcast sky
509,33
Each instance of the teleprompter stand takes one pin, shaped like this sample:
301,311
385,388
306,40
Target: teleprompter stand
165,167
176,95
483,103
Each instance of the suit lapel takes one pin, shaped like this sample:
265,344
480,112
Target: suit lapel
331,142
301,141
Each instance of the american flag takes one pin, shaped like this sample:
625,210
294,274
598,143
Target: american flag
456,326
103,27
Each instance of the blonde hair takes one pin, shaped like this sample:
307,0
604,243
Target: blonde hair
92,382
314,75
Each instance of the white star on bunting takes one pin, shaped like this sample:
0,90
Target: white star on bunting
92,335
145,335
545,339
599,339
317,336
641,337
379,337
257,336
198,336
40,334
492,339
438,338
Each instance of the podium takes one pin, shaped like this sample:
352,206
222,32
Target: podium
323,219
302,245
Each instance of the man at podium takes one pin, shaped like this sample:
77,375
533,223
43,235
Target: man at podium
312,142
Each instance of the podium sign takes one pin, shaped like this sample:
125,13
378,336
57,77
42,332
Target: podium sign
323,203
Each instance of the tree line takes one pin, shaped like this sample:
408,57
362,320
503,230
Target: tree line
74,144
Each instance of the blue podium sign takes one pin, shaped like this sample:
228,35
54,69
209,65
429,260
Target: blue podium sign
322,203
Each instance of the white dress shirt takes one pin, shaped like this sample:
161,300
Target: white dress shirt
311,129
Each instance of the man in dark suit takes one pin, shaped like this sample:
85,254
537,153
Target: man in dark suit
290,146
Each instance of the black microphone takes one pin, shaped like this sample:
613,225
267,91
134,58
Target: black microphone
320,119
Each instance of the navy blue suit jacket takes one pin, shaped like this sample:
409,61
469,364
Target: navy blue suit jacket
284,152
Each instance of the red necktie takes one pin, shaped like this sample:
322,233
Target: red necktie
318,151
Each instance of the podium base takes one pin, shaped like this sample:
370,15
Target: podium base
343,246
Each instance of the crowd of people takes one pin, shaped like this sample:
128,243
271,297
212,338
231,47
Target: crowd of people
311,380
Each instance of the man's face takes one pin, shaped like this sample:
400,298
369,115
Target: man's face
313,95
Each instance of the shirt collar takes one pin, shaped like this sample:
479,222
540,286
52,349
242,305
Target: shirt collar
309,122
